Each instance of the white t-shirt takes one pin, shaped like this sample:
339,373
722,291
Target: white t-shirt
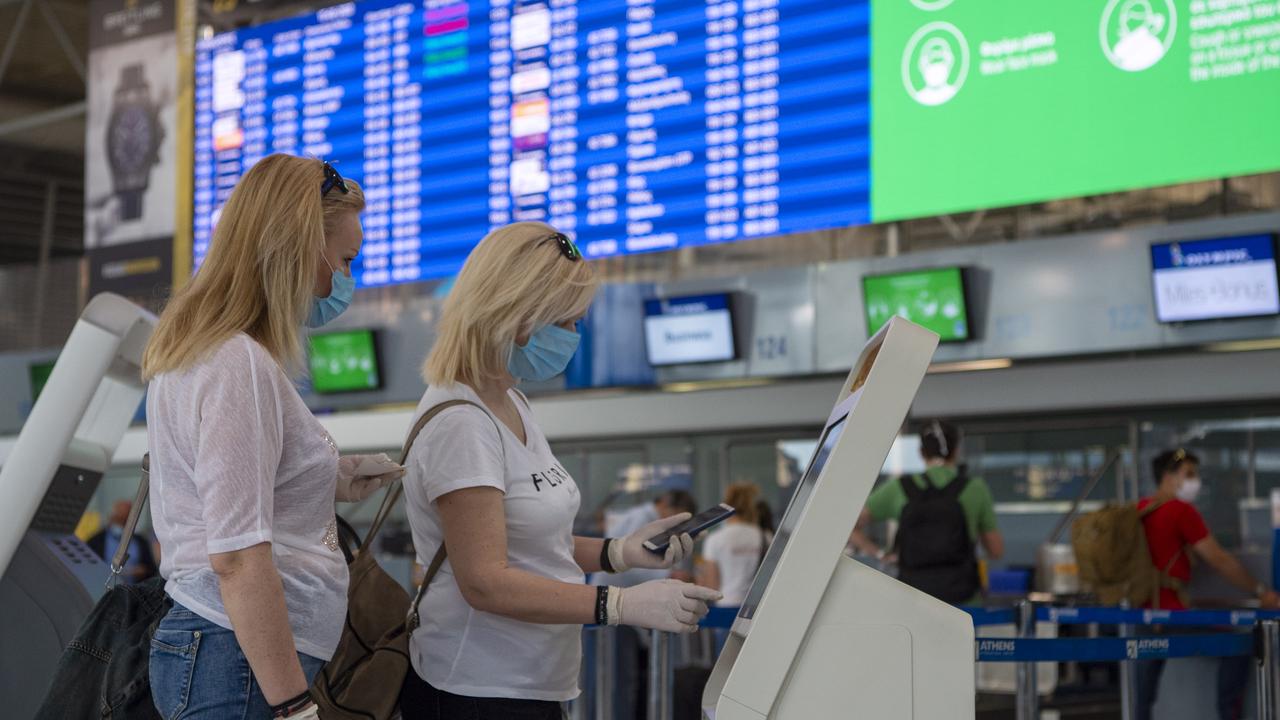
237,459
459,649
735,548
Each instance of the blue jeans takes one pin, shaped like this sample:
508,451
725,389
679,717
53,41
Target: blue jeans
199,672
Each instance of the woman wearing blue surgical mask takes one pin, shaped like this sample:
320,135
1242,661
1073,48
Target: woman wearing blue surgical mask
243,477
501,622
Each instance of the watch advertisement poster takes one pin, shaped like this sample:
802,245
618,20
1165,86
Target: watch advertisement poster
130,147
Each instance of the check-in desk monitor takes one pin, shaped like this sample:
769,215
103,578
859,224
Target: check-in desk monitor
821,635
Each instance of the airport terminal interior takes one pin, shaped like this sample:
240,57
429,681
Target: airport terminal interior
966,312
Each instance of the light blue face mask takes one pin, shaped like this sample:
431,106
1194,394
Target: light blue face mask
547,355
325,309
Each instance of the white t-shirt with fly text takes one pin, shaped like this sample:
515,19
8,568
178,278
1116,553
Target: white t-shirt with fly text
459,649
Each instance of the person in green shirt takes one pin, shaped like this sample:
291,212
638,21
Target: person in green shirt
941,564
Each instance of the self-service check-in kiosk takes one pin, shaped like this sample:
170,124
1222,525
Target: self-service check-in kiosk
49,580
821,635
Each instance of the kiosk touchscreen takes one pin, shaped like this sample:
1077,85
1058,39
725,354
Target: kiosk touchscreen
821,635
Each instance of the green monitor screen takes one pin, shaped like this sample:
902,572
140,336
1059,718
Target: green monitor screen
934,299
992,103
39,376
344,362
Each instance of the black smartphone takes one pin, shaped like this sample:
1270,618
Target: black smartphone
698,523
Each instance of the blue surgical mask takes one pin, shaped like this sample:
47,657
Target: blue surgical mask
547,355
325,309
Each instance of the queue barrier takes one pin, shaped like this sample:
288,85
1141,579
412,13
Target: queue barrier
1026,650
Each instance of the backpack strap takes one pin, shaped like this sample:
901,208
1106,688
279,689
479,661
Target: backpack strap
957,485
392,496
131,524
911,488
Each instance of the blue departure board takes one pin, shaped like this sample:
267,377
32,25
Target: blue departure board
633,126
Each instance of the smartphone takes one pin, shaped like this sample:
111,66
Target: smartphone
694,526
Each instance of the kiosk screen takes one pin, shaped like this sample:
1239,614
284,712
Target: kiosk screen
789,520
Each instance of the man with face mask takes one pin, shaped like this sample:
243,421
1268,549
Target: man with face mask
1175,529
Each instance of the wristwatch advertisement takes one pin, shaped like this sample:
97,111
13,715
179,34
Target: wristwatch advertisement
134,136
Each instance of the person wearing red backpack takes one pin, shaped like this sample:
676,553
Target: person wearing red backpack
1175,529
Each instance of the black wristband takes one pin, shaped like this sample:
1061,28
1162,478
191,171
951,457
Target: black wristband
602,605
292,705
605,565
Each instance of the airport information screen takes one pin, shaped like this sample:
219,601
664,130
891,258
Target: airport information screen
640,125
636,126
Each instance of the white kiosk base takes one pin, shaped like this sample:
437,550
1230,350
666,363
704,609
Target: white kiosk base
821,635
880,649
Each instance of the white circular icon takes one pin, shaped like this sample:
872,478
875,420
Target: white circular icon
1136,34
931,5
935,63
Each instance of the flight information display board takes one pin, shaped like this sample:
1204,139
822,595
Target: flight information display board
634,126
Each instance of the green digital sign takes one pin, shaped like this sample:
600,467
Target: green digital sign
39,373
990,103
934,299
344,362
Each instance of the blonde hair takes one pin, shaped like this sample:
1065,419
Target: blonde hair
259,275
744,497
515,281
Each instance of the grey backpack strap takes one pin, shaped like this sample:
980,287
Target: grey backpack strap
131,524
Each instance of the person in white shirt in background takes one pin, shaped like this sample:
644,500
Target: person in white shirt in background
501,633
732,553
631,653
243,476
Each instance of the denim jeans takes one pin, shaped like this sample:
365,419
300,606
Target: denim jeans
199,672
420,701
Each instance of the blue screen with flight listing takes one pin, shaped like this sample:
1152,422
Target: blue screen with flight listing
633,126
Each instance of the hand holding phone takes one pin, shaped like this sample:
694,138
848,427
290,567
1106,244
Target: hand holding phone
694,526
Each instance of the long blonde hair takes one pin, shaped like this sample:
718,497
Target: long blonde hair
259,275
515,281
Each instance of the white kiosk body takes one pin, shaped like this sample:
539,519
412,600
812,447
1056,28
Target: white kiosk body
821,635
49,580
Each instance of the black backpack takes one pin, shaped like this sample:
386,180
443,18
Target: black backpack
935,551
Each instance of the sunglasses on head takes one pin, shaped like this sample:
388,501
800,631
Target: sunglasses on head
567,248
332,180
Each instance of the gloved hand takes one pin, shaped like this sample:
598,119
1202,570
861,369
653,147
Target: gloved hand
310,712
627,553
667,605
359,476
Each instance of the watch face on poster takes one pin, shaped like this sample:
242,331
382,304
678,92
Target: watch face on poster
131,139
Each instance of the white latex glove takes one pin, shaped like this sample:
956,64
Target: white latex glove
311,712
667,605
627,553
359,476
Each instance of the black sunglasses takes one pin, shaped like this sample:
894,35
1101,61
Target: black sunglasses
567,248
332,180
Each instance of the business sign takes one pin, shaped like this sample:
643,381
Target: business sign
1215,279
689,330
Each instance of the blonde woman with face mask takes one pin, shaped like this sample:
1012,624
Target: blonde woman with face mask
243,477
501,623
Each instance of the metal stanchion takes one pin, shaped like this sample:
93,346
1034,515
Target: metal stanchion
606,656
1267,654
659,676
1128,679
1028,700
